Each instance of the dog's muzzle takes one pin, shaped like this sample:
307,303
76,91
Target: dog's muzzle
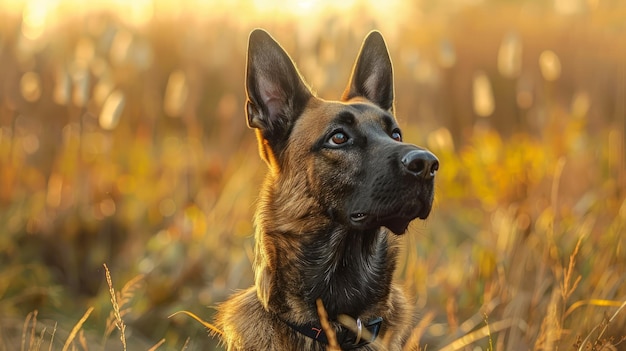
402,194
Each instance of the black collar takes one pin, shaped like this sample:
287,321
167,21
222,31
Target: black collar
345,337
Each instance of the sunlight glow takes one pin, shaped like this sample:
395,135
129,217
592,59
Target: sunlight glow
112,110
30,86
550,65
40,15
175,94
484,103
34,18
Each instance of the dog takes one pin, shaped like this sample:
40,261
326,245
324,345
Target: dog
342,188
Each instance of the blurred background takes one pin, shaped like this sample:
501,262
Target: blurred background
123,141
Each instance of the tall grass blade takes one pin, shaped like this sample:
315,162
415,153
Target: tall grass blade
54,331
157,345
76,329
116,308
333,345
479,334
207,325
25,330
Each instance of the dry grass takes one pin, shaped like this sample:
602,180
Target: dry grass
119,322
209,326
121,305
333,344
77,331
525,249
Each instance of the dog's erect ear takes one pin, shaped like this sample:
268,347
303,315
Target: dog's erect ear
372,75
276,92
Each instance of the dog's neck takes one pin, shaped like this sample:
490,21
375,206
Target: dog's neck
349,270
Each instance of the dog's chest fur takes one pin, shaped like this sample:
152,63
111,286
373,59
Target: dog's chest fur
247,326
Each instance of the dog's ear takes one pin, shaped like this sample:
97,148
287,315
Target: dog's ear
372,74
276,92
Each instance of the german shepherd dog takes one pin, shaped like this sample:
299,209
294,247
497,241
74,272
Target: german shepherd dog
341,189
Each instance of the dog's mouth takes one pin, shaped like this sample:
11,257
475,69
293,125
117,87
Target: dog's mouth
358,217
397,221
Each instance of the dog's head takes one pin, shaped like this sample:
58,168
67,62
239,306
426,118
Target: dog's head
349,153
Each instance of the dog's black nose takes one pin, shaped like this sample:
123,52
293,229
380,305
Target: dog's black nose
420,163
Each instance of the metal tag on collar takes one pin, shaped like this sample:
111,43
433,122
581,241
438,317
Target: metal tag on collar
359,331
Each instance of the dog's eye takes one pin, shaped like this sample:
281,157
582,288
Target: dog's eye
338,138
395,135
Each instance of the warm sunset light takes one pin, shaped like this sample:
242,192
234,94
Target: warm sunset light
124,141
39,14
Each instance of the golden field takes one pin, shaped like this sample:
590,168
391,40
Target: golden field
123,142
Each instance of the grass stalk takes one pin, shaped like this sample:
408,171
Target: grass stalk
119,323
76,329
